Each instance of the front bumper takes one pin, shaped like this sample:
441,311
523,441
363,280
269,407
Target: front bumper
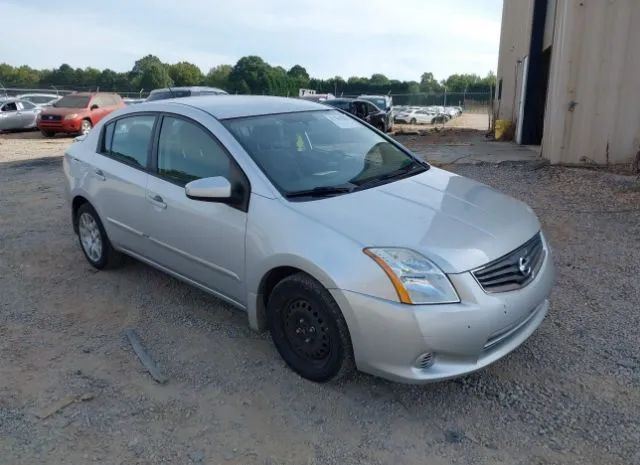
68,126
389,338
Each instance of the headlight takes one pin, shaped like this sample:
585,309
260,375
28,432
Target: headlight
71,116
416,279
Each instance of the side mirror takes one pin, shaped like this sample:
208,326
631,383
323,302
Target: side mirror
93,107
211,189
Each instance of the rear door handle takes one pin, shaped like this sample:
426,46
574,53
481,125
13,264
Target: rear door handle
156,200
100,175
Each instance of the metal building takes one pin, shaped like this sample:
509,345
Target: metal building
569,78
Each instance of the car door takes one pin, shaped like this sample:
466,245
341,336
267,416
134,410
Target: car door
101,111
118,179
9,117
28,113
200,240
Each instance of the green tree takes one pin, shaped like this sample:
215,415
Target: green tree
87,77
141,66
429,84
379,80
219,76
185,74
298,73
107,80
154,76
25,76
250,75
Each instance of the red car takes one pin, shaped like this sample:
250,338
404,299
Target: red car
77,113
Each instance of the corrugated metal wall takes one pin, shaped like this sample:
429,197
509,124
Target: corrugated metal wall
593,101
593,105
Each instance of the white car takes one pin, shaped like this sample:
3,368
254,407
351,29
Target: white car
40,100
416,117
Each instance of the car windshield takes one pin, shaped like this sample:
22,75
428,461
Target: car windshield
321,152
166,94
72,101
379,102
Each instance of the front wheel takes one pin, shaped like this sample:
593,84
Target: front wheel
47,133
413,121
308,329
85,127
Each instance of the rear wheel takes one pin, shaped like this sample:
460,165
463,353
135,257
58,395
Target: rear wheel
85,127
413,121
47,133
93,239
308,329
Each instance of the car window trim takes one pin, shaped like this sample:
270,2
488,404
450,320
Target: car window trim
153,171
113,122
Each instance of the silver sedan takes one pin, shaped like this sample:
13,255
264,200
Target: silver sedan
17,114
350,250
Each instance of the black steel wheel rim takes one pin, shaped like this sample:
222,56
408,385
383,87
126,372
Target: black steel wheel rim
306,330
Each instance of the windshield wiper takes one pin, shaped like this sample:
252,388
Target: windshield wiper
400,172
322,191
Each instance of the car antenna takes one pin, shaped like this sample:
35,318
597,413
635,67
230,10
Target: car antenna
171,90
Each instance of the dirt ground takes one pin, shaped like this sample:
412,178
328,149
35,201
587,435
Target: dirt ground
73,392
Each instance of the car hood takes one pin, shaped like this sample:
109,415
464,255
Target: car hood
458,223
62,111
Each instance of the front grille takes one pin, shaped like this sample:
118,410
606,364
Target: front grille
514,270
51,117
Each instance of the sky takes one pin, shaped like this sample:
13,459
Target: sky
401,39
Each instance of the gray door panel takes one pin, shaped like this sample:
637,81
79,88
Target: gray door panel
119,191
203,241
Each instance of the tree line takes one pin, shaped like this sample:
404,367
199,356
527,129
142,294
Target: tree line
250,75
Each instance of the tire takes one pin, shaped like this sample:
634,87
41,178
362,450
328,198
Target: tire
308,329
85,127
93,239
413,121
47,133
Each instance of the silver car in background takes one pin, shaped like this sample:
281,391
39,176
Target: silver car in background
17,114
350,250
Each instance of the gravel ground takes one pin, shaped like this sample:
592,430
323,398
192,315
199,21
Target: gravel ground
568,395
31,144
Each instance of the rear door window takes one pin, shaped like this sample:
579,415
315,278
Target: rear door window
128,140
27,105
11,106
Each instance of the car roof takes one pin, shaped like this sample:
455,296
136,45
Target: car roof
39,95
191,88
237,106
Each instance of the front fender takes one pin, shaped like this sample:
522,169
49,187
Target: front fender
278,236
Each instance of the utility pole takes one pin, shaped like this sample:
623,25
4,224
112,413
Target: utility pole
445,96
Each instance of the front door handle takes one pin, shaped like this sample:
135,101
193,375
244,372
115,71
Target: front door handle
156,200
100,175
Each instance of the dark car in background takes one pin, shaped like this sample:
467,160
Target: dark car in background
362,109
385,103
77,113
178,92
